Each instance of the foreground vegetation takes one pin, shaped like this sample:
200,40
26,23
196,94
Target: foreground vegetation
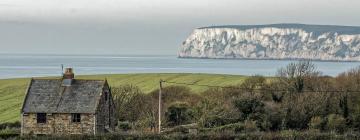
12,91
298,99
299,103
282,135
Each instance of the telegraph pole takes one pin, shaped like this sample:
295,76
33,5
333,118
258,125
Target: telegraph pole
161,81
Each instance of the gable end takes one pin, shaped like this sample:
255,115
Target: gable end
26,94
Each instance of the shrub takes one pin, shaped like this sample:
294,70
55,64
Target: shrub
125,126
336,123
179,113
128,100
250,108
298,76
250,126
214,121
8,133
316,123
16,124
272,119
356,119
253,84
216,108
299,109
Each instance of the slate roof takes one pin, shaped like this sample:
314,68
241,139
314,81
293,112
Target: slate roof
49,96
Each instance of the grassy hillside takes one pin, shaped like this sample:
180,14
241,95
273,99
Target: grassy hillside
12,90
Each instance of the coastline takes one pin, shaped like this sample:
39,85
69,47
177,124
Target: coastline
280,59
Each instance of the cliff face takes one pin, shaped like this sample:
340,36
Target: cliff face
278,41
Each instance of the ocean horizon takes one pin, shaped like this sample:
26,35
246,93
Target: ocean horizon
43,65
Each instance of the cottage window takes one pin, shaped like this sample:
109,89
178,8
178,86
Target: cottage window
41,117
76,117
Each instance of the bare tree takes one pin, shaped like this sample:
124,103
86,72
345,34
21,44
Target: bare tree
127,98
296,75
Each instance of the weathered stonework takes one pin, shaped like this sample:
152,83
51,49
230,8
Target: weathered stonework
58,124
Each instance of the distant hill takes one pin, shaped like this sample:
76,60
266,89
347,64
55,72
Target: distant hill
12,91
274,41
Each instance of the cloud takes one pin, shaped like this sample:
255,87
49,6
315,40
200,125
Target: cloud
8,5
134,26
174,10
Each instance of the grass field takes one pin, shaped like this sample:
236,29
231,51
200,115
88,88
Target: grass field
12,90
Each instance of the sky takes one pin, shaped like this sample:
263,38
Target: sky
151,27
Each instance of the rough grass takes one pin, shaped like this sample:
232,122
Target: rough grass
12,90
289,135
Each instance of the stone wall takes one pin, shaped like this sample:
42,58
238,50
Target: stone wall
105,115
58,124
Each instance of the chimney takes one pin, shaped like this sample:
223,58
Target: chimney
68,77
69,74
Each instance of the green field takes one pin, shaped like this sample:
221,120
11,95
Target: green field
12,90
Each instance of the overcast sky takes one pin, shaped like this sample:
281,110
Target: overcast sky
146,26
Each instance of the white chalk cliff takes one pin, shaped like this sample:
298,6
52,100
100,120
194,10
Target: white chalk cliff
276,41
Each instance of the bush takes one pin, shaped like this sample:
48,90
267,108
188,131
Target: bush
129,101
214,121
216,108
356,119
250,126
8,130
250,108
336,123
179,113
253,84
125,126
298,76
272,119
300,108
316,123
16,124
8,133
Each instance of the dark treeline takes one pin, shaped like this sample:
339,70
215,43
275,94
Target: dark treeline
298,98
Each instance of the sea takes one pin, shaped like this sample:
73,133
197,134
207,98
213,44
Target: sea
43,65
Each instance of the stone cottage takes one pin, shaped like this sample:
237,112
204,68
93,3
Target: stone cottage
68,106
